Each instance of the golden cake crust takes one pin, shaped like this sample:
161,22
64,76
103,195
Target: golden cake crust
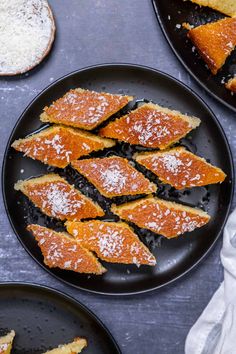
6,342
113,242
74,347
227,7
180,168
215,41
114,176
83,108
165,218
151,126
231,84
59,145
57,198
60,250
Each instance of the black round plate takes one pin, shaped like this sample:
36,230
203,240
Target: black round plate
171,14
43,318
174,257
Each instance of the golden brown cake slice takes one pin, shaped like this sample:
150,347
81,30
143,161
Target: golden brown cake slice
162,217
227,7
6,343
231,84
114,176
151,126
180,168
58,199
72,348
113,242
60,250
59,145
215,41
83,108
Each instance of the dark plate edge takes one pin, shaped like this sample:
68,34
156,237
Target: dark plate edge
183,63
63,296
143,67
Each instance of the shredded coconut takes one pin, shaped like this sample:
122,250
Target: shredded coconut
171,163
57,145
60,201
110,243
87,107
113,179
113,242
26,28
166,221
115,176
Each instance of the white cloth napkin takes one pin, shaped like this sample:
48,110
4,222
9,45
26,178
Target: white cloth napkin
215,330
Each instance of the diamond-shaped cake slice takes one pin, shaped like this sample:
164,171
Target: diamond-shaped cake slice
151,126
180,168
215,41
227,7
162,217
113,242
57,198
6,343
114,176
74,347
83,108
59,145
60,250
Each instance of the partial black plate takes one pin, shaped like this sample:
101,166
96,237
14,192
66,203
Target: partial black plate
43,318
171,14
174,257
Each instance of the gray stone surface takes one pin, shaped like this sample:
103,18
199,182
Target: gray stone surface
91,32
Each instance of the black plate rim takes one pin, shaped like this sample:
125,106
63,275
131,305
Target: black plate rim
63,296
216,121
158,16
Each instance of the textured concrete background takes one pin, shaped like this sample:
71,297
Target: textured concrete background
99,31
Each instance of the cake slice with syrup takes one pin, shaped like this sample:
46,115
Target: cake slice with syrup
162,217
55,197
180,168
59,145
60,250
215,41
84,109
151,126
114,176
113,242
